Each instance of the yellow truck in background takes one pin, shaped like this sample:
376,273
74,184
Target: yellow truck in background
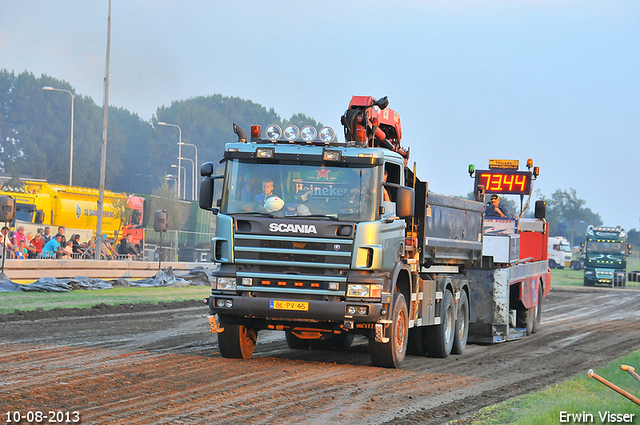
40,204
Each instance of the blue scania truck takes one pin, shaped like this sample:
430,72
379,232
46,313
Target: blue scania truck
326,240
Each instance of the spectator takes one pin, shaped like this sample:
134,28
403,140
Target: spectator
36,246
51,248
128,248
63,240
24,249
46,236
67,251
5,240
17,253
77,249
29,238
19,236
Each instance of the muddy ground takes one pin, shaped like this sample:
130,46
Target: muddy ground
160,364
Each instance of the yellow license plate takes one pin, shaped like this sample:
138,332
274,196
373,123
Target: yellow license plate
289,305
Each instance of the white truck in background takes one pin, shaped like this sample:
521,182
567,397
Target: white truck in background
559,252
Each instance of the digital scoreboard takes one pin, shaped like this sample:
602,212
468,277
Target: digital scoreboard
508,182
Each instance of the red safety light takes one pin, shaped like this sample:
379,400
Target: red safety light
529,163
255,132
361,134
536,171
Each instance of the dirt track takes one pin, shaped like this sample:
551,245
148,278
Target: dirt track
162,366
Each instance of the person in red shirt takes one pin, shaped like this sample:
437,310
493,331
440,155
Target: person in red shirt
36,245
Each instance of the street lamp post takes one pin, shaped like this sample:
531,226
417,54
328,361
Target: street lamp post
193,177
182,189
179,150
175,182
49,88
195,166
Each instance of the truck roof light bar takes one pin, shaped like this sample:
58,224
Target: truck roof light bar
291,133
308,134
274,132
327,135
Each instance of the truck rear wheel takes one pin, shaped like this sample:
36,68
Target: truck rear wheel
538,309
439,338
415,345
237,341
462,325
525,317
392,353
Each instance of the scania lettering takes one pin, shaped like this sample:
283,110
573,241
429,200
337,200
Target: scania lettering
352,243
297,228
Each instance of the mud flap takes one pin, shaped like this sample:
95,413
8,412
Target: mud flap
213,323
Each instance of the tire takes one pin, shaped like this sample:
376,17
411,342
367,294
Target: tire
392,353
237,341
343,340
296,343
462,325
538,309
552,264
439,338
525,317
415,346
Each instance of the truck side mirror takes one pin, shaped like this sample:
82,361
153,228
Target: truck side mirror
207,190
540,210
39,216
206,169
205,198
405,202
160,221
7,208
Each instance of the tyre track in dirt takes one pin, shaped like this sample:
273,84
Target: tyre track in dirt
164,367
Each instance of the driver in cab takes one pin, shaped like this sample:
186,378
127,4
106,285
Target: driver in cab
267,191
494,209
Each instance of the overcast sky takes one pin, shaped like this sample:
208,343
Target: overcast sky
556,81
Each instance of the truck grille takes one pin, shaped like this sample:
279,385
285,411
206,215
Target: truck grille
312,262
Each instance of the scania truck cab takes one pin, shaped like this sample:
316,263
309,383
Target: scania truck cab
605,250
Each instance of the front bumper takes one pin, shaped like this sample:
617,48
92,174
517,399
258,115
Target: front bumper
316,311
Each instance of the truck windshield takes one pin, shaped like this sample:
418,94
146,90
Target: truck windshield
304,190
606,247
564,247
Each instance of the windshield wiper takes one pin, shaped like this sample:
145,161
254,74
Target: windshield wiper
330,217
265,214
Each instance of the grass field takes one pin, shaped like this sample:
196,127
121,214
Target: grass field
576,396
11,301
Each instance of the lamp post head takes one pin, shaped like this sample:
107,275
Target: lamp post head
47,88
161,123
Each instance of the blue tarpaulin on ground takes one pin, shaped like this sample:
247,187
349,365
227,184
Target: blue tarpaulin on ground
199,276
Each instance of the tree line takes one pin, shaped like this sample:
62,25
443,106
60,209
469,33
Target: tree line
35,135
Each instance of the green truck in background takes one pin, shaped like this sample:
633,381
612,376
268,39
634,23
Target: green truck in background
605,256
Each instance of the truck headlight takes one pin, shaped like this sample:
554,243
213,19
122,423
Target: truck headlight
226,283
364,290
589,272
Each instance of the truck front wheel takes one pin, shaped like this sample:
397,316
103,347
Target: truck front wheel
237,341
392,353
